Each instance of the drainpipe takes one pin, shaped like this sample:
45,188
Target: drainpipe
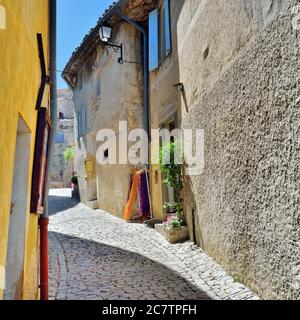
145,71
44,218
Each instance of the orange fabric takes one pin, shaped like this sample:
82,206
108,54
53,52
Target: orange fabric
132,197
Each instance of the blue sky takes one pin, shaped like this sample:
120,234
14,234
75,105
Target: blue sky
75,19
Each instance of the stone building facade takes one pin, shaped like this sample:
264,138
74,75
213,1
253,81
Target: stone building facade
105,93
239,65
98,75
61,171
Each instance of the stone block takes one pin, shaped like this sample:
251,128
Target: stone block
173,235
93,204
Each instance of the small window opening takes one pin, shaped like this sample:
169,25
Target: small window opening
106,154
206,53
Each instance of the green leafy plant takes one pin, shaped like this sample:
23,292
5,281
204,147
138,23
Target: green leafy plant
169,157
175,207
170,164
69,154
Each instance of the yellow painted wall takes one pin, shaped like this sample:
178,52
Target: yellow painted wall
19,84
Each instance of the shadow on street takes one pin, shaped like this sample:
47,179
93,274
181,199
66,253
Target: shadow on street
99,271
61,203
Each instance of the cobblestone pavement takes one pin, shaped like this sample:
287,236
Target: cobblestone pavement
95,256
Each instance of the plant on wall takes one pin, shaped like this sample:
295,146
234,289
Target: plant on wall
169,164
69,154
170,154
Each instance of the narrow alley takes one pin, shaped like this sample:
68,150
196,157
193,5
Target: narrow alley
94,255
149,150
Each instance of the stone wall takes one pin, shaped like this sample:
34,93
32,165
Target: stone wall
239,63
60,171
119,98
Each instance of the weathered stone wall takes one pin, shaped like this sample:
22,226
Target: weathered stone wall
244,92
120,99
61,172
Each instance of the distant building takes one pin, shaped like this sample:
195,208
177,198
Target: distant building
61,171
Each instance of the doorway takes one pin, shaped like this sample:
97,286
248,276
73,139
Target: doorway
18,212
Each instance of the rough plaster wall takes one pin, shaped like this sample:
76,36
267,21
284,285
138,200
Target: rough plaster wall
121,99
248,198
222,28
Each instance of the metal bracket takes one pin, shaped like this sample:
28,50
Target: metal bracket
119,48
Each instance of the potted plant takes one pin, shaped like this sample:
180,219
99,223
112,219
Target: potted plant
75,188
173,229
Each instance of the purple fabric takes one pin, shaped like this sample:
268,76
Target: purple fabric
143,194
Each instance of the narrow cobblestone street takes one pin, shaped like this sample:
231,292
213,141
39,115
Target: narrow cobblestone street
95,256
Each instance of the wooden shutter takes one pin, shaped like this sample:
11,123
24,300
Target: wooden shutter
79,124
43,71
39,174
84,130
153,40
76,126
167,27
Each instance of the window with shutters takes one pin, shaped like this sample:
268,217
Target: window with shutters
59,138
79,81
159,35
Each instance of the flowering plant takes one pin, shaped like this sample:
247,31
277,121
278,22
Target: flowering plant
173,221
175,217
